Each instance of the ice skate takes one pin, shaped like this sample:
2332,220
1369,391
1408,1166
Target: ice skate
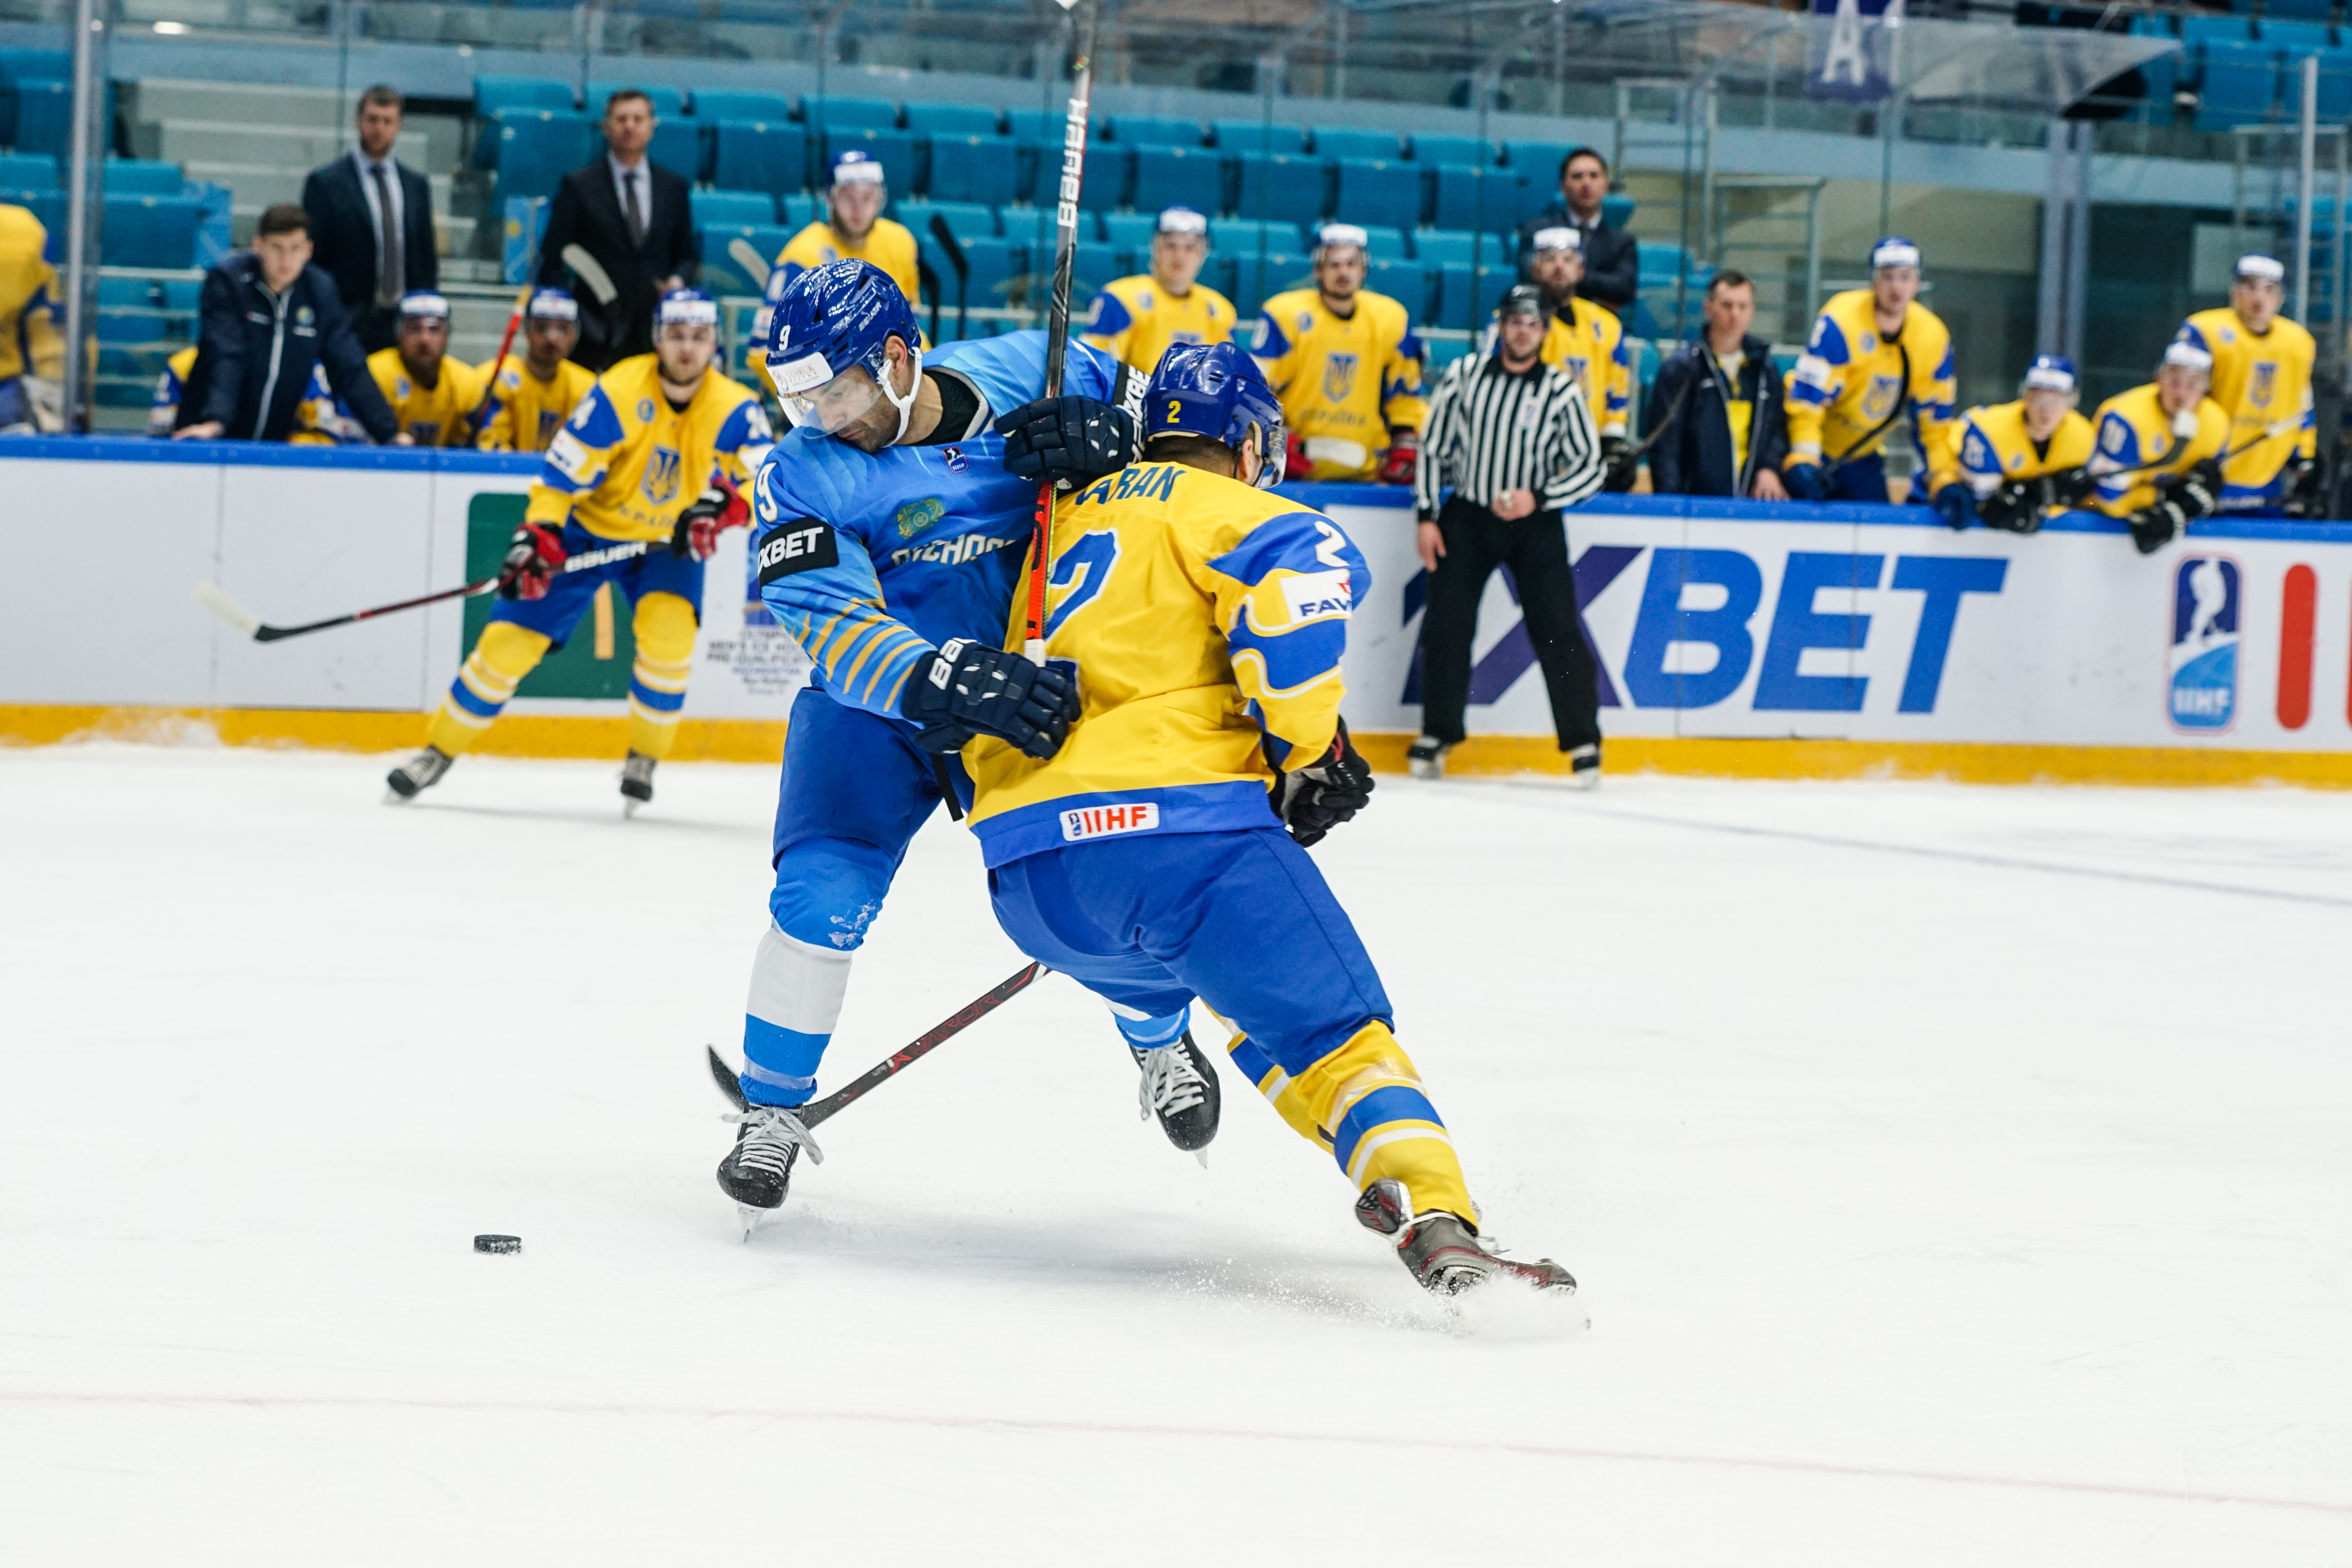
1180,1087
636,783
758,1171
1584,767
416,775
1444,1255
1426,757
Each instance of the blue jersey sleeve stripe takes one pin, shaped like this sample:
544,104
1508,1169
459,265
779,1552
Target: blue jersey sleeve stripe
1291,659
596,424
1828,341
1111,316
1291,539
2190,334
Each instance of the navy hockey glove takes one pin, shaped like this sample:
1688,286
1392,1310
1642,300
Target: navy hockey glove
1956,505
708,515
1325,793
981,691
1805,481
1072,441
533,556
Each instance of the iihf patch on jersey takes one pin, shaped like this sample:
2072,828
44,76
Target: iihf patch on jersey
2201,690
803,546
1104,821
1312,594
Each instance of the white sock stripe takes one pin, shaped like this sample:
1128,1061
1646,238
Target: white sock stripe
467,718
1378,1140
1276,1084
798,985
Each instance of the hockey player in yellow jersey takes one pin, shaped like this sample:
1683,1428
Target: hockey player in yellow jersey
854,230
2262,379
431,394
2013,464
2160,446
634,491
531,395
1147,860
32,334
1347,365
1874,354
1587,341
1138,318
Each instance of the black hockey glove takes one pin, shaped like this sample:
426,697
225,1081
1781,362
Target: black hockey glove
2155,527
979,690
1957,505
2305,494
2195,492
2016,506
1073,441
1621,464
1313,800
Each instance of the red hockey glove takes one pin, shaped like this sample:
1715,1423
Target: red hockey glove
708,515
533,556
1295,465
1398,462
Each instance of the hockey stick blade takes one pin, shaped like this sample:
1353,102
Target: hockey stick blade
744,254
214,597
730,1084
591,273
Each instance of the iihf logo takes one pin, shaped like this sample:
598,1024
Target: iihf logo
2201,695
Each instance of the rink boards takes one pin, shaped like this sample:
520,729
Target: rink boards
1874,638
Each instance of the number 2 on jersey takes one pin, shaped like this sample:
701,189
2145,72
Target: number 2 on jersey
1079,574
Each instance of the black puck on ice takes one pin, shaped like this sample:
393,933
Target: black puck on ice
497,1244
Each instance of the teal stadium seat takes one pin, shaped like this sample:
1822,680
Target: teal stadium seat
1538,162
1457,248
1407,282
721,272
1273,186
1180,176
1260,136
732,209
894,150
27,172
677,146
1465,149
1152,131
534,149
849,114
713,104
952,119
758,155
151,231
142,177
669,102
1472,200
1043,125
974,168
1258,277
1467,297
1333,143
1103,186
1372,191
966,220
1132,232
494,93
1248,237
44,116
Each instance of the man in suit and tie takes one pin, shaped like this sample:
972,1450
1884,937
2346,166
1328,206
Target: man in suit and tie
371,224
633,217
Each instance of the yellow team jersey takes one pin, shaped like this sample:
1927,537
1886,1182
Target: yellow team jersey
2261,383
1590,344
163,412
1136,321
627,463
887,244
437,415
524,413
1344,383
2131,428
1992,449
1850,380
1206,620
32,334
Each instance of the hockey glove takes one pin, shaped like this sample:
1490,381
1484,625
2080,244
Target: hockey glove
533,556
1620,464
1805,481
2155,527
1296,464
1072,441
708,515
2016,506
1313,800
2070,487
2195,493
1397,464
1957,505
982,690
2305,493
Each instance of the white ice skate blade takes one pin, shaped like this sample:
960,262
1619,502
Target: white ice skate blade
393,797
629,807
1587,781
1202,1156
752,1218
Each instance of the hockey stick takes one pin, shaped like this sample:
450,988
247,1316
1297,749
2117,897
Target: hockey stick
1058,319
731,1085
490,386
214,597
756,268
959,264
591,273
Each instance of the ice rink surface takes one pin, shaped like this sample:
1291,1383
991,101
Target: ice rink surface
1956,1176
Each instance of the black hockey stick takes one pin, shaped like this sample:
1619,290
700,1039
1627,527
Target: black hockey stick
213,598
959,265
905,1055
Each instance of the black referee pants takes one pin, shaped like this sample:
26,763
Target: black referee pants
1534,548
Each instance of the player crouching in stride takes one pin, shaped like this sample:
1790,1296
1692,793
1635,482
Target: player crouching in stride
1205,619
637,487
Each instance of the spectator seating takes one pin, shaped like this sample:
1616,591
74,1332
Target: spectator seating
1104,184
997,266
1042,126
936,119
1257,278
1473,199
1452,248
534,149
1152,131
1247,236
151,231
1179,176
142,177
849,114
1263,136
1382,243
732,209
1467,297
713,104
974,168
494,93
966,221
721,272
1275,186
2238,84
1373,191
27,172
677,145
1407,282
1131,233
894,150
44,122
1465,149
1538,162
758,155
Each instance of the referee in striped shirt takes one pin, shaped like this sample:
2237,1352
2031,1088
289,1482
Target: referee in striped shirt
1512,437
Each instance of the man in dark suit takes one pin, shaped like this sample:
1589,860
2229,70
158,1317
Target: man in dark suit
633,217
1612,264
372,223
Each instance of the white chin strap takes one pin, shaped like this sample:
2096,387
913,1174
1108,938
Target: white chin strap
906,406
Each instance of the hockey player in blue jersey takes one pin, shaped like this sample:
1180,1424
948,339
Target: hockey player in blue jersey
888,528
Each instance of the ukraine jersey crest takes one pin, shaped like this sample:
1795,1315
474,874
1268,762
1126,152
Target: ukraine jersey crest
661,476
1339,376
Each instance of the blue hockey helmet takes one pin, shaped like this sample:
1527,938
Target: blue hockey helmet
831,322
1217,391
691,307
2050,373
552,304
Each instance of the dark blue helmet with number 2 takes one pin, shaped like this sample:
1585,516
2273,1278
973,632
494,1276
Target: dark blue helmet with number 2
833,320
1216,390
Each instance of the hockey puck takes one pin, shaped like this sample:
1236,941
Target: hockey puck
497,1244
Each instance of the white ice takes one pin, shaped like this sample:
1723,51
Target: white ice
1956,1175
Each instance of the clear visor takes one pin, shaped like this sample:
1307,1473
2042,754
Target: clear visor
834,405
